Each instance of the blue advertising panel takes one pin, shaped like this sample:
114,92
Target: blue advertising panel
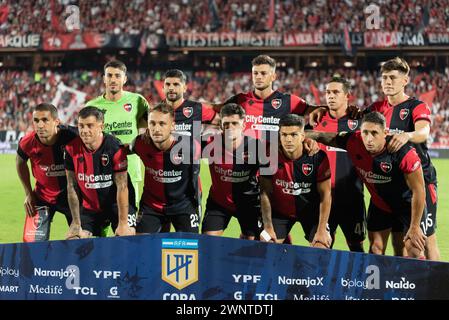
182,266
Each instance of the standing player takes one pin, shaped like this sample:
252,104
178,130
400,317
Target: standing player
124,113
394,180
171,173
96,168
299,190
189,115
264,107
408,119
348,205
44,147
233,163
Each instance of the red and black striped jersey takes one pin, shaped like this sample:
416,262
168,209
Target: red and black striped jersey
171,176
191,113
346,185
233,173
383,174
295,182
94,171
263,115
402,118
47,163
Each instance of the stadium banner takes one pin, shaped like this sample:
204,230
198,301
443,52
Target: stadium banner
20,41
182,266
298,39
9,140
385,39
88,40
224,39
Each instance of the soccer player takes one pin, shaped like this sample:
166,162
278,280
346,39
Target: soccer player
171,172
265,106
233,162
348,205
124,113
394,180
408,119
96,168
299,190
188,115
44,147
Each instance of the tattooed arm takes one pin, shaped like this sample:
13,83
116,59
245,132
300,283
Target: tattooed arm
327,138
121,181
75,230
265,206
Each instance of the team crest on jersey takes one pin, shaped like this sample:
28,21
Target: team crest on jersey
307,168
352,124
104,159
187,112
403,113
128,107
385,167
276,103
177,158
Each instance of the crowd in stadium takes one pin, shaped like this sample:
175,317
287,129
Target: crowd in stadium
22,17
21,90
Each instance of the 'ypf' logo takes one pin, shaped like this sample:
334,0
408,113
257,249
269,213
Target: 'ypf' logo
403,113
180,262
307,168
385,167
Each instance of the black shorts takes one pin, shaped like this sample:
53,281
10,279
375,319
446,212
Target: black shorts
379,219
95,222
217,218
429,218
151,221
351,219
282,225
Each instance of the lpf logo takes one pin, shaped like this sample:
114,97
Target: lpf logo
180,262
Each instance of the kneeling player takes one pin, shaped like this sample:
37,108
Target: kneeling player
44,147
171,168
394,180
299,190
96,165
233,163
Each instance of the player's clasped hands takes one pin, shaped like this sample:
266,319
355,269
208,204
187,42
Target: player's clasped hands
417,238
268,235
75,232
125,230
322,239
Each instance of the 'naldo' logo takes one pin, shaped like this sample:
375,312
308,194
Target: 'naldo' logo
180,262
